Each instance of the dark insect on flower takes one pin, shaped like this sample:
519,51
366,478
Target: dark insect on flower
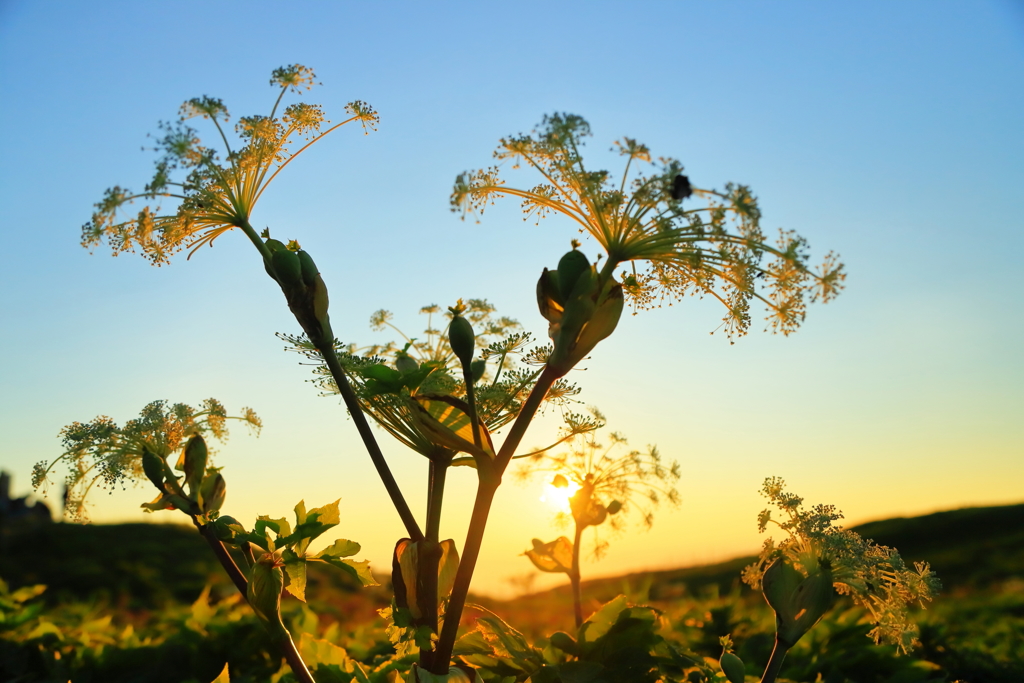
681,188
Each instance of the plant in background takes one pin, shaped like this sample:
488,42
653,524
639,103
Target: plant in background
599,485
100,452
801,575
274,564
437,398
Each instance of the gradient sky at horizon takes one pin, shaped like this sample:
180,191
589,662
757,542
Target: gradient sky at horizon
892,133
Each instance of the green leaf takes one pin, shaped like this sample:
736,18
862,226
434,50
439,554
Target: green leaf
324,652
295,573
360,569
340,548
310,525
601,620
281,527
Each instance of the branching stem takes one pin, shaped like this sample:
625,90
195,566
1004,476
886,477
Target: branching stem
291,653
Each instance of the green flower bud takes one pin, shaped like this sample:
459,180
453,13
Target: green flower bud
212,492
462,340
275,245
477,369
549,300
193,462
406,364
614,507
732,667
570,267
799,602
266,581
153,466
287,268
308,269
320,305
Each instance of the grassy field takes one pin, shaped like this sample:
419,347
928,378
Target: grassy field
148,603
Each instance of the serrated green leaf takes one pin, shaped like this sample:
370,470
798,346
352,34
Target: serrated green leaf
340,548
323,652
360,569
281,527
295,573
310,525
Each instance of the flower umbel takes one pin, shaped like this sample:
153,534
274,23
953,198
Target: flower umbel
874,576
213,195
668,251
100,452
607,478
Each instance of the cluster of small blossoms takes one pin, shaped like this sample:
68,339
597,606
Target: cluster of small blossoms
874,576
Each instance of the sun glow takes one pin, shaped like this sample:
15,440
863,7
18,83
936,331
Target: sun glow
558,496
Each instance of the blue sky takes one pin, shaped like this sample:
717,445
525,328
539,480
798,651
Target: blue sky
891,133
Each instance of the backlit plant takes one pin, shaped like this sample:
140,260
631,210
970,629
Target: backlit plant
466,391
600,484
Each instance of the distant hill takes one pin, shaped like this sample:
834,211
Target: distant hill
143,565
970,549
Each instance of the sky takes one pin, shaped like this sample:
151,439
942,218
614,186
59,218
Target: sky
891,133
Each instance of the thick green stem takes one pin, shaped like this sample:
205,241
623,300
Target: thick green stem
291,653
464,576
574,577
428,564
771,672
525,417
490,479
435,498
326,350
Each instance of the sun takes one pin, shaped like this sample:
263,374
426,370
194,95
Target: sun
558,492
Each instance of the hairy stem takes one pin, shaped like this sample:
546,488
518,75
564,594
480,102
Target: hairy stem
574,577
771,672
291,653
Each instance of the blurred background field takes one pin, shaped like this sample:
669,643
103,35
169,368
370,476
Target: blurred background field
147,602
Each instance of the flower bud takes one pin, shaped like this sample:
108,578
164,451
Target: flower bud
799,602
732,667
266,581
614,507
570,267
462,340
405,363
193,462
153,466
308,269
212,492
287,268
477,369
